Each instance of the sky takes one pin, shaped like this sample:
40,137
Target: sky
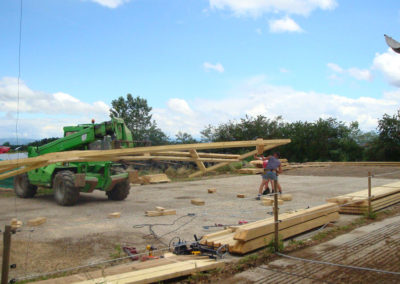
197,62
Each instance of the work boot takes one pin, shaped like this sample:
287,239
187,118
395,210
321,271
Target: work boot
266,191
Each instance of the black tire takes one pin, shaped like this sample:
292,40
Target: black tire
23,188
65,192
120,191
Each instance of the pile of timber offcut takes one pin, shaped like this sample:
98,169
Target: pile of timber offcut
258,167
252,236
357,202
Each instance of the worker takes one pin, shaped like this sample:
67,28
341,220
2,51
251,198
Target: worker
264,188
272,169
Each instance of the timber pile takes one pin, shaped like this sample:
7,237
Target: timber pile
182,152
258,167
252,236
159,273
357,202
146,269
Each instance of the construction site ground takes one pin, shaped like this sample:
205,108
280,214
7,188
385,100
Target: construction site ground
84,234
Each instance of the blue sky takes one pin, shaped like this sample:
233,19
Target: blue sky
197,62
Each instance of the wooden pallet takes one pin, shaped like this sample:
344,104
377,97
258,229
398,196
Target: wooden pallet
357,202
255,235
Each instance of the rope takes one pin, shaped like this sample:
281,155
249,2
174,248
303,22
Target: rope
337,264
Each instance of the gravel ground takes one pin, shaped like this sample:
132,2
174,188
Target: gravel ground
83,234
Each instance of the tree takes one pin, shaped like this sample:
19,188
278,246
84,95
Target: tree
138,118
184,138
389,136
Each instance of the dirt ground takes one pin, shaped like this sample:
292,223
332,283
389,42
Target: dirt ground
83,234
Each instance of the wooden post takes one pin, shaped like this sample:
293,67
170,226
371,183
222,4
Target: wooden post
6,254
276,220
369,195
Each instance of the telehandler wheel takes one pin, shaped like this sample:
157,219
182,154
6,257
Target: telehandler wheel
120,191
23,188
65,192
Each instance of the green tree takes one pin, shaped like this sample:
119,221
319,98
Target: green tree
6,144
389,136
184,138
138,118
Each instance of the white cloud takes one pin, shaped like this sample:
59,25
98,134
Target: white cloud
389,64
179,106
110,3
258,7
356,73
286,24
43,114
260,98
217,67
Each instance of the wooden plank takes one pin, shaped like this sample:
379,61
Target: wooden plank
156,178
196,158
114,215
286,197
198,201
159,273
245,247
156,213
36,222
212,190
28,164
240,195
266,226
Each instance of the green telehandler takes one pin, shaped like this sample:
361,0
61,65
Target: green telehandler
69,179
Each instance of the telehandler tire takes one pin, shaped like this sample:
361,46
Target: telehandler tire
120,191
23,188
65,192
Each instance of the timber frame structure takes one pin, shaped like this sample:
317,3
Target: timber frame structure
181,152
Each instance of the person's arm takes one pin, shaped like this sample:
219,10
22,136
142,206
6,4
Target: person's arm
279,169
257,157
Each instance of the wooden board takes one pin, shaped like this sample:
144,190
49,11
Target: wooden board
262,241
156,178
160,213
266,226
197,201
212,190
14,167
159,273
240,195
36,222
114,215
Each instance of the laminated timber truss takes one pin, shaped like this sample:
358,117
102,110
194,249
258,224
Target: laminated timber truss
181,152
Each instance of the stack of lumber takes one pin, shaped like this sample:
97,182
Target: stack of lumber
155,270
252,236
159,273
357,202
258,167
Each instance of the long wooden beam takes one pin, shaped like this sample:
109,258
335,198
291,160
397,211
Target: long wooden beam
23,165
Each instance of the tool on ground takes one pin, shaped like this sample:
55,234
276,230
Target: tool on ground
132,252
195,248
241,222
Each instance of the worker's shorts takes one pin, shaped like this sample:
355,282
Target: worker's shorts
271,175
